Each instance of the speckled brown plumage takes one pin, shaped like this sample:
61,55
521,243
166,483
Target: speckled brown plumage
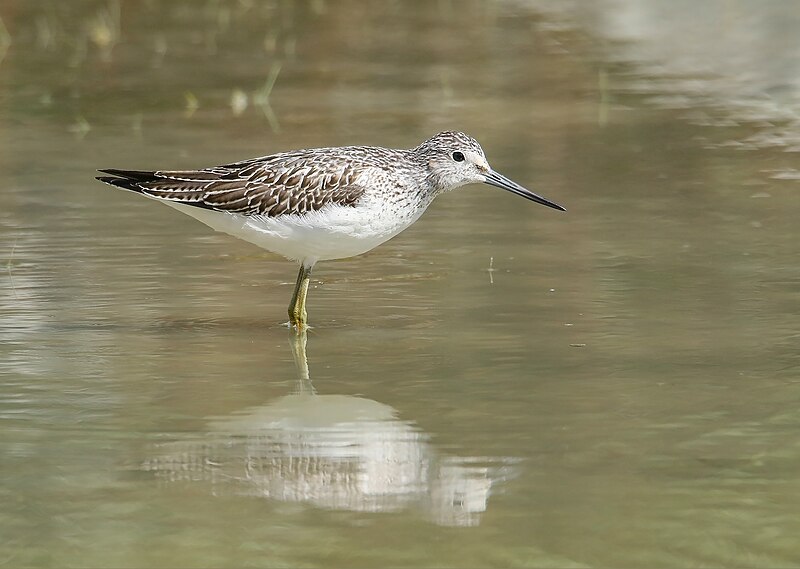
290,182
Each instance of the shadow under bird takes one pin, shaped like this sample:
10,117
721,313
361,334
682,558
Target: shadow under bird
321,203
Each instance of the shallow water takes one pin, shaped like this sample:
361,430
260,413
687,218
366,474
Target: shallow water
500,385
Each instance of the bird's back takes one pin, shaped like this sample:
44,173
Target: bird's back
293,182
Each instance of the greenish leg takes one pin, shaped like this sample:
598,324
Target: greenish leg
297,308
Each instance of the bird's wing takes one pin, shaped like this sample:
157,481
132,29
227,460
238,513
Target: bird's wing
271,186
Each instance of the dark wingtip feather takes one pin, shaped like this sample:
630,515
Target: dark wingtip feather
139,175
124,183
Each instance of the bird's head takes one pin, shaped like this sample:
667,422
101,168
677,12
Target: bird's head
455,159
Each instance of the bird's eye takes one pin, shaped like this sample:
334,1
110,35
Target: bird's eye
458,156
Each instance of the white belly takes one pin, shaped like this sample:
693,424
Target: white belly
334,232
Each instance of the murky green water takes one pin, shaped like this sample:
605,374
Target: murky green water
501,385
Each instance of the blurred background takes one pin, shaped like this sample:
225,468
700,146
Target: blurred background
500,385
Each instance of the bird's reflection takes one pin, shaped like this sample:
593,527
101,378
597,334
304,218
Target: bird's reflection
334,451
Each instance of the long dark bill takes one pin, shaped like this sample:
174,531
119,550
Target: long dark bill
495,179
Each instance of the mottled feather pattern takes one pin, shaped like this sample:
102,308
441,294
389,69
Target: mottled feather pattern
288,183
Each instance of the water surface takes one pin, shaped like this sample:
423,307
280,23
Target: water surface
500,385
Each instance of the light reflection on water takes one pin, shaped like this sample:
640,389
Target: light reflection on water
332,451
